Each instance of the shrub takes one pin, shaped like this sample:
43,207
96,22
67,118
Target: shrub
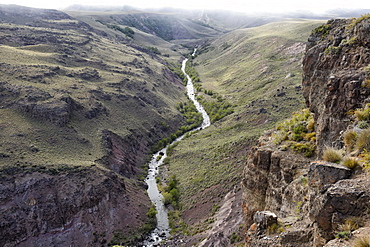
152,212
323,30
363,124
332,155
275,228
362,242
167,198
345,235
350,162
349,139
311,125
310,136
365,158
363,114
363,140
306,148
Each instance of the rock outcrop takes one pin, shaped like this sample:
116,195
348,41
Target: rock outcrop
65,206
311,198
335,76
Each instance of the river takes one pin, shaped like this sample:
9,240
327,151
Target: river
162,231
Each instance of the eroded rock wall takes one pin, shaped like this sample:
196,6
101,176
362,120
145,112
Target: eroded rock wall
67,207
334,76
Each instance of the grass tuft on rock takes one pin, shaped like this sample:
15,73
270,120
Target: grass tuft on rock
332,155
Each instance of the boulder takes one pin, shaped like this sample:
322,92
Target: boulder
322,173
344,199
264,219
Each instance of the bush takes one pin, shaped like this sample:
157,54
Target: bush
167,198
350,162
332,155
306,148
323,30
345,235
363,124
363,114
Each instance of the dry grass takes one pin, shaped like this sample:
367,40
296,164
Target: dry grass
332,155
362,242
349,139
350,162
363,140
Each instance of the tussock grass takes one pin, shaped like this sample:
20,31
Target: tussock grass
363,114
350,162
363,140
332,155
362,242
350,138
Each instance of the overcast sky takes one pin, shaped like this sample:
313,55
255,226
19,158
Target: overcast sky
236,5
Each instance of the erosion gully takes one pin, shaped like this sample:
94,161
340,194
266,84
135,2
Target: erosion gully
162,231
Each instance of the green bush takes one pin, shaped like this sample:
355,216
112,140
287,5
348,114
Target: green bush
308,149
345,235
167,198
297,132
171,194
323,30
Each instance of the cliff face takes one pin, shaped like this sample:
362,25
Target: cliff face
334,76
292,200
67,207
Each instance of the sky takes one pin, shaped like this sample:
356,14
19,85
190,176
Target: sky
317,6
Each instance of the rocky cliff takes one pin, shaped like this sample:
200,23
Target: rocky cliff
290,199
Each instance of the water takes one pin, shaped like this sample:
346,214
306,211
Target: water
162,231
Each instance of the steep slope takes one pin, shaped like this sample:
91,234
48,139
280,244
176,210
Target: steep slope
80,111
292,200
244,68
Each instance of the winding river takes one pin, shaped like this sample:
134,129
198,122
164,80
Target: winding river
162,231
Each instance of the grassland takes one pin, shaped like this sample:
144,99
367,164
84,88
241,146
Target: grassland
258,71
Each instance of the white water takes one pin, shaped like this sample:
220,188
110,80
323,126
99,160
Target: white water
162,231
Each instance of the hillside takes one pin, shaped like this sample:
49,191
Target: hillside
80,112
244,68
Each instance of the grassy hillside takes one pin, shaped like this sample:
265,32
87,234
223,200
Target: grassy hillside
258,71
101,84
